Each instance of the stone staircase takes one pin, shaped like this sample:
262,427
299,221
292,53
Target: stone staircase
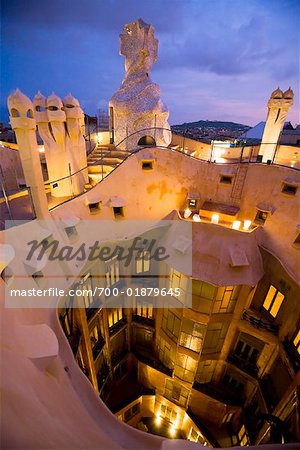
101,161
238,185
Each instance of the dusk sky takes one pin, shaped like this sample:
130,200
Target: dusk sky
218,59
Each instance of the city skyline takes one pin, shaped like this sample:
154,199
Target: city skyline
217,60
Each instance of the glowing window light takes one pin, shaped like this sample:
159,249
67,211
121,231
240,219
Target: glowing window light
158,420
187,213
42,149
247,224
172,430
215,218
236,224
196,218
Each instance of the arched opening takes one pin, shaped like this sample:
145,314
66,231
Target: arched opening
39,108
147,140
29,114
14,112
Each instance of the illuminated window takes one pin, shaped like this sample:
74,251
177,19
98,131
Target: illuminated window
192,203
296,342
115,315
191,335
168,413
95,335
143,262
226,299
112,272
273,301
179,281
171,323
242,435
144,309
203,294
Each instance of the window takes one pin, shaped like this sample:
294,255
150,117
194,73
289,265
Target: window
234,384
261,217
121,370
226,299
66,321
144,309
131,412
176,393
206,370
228,417
71,232
296,342
147,165
168,413
86,286
166,353
115,315
171,323
242,436
94,207
214,338
226,179
289,189
179,281
185,367
118,211
95,336
112,272
192,334
203,294
143,262
246,352
273,301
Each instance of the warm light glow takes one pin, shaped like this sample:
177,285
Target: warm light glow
99,137
196,218
172,431
247,224
236,225
215,218
187,213
42,149
158,420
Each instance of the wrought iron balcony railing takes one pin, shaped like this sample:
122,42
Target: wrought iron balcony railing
257,322
243,364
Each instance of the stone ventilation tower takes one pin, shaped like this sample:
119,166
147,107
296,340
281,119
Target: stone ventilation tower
61,127
278,108
24,125
136,108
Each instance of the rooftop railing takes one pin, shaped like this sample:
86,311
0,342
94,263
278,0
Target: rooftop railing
17,205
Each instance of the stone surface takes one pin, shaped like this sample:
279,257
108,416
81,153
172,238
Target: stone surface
137,107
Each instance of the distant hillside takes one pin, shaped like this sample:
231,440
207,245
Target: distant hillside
232,126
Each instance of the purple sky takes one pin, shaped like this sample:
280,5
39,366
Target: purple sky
218,59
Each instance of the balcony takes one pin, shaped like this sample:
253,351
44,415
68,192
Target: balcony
243,364
98,346
152,361
257,322
220,393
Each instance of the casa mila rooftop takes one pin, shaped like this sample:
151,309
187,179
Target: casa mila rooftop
150,282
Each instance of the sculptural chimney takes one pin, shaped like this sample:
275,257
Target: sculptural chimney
278,108
24,125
